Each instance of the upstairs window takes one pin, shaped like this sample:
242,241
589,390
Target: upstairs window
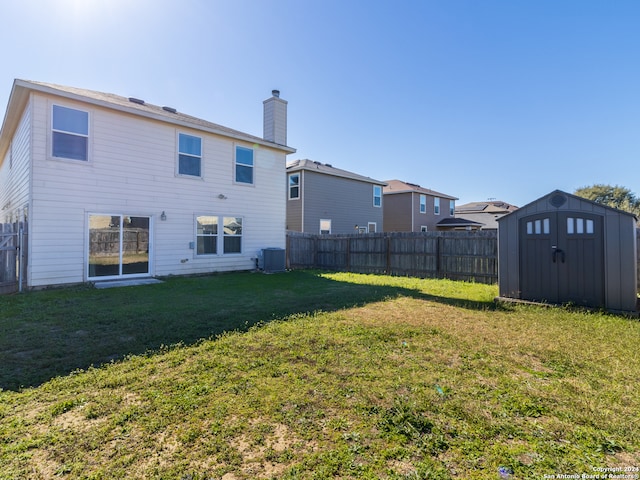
452,208
294,186
70,133
436,205
423,204
377,196
244,165
189,155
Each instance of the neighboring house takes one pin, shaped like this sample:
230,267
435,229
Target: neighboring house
324,199
113,187
411,208
486,213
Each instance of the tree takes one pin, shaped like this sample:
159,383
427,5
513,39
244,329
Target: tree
617,197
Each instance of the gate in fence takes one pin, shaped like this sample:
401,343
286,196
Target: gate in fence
13,257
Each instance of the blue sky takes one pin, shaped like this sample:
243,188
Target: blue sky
478,99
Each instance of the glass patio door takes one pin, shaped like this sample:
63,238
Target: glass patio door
118,246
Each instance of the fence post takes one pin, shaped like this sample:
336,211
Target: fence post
388,247
19,254
439,257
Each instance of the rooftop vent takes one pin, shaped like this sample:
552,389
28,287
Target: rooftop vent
328,165
136,100
169,109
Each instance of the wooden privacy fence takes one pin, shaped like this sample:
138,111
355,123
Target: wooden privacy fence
13,257
468,256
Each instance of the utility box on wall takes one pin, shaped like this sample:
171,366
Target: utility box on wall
271,260
563,249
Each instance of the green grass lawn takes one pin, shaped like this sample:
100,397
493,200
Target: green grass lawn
310,375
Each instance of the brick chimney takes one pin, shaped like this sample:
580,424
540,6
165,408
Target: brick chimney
275,119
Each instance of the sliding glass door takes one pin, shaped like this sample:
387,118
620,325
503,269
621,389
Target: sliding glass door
118,246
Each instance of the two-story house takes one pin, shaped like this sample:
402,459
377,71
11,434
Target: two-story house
113,187
408,207
324,199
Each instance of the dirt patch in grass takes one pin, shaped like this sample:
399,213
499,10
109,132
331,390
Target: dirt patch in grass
431,382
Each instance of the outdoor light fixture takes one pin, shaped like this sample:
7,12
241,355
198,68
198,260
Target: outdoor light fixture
163,216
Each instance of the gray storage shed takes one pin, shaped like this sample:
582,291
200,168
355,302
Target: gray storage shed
565,249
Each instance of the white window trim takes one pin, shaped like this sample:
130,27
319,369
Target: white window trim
330,226
452,208
436,205
195,234
289,186
235,164
378,187
420,198
151,254
201,157
222,217
424,228
89,136
375,227
219,236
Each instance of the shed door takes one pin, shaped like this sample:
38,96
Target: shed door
561,258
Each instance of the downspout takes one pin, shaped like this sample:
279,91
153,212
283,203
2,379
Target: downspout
302,193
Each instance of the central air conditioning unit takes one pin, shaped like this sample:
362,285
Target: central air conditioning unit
271,260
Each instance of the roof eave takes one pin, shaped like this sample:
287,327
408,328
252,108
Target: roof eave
12,118
335,173
16,104
433,194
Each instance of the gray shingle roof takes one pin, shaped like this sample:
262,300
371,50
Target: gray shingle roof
328,169
125,104
398,186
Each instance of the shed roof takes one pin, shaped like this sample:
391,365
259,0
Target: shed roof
327,169
398,186
550,197
22,88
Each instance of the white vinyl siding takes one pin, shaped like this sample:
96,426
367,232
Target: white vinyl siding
133,171
14,173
